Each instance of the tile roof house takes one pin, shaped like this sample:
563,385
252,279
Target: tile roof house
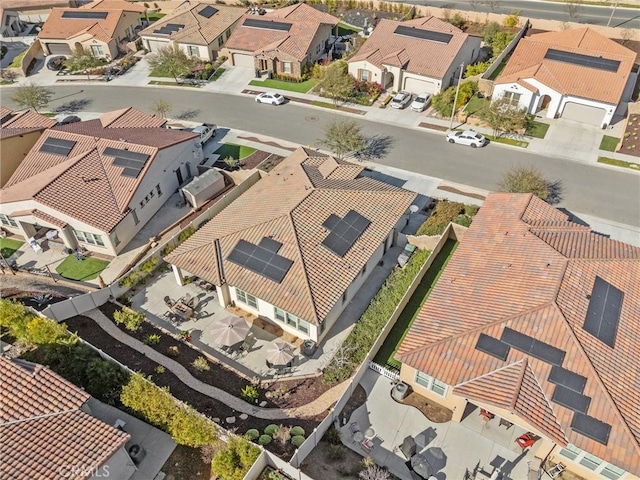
198,28
535,319
10,23
47,433
576,74
98,182
282,42
100,27
298,245
420,55
19,131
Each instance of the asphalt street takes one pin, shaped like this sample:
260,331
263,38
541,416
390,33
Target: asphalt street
592,190
588,14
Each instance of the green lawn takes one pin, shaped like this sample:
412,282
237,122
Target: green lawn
235,151
344,29
537,129
385,355
476,105
619,163
8,246
508,141
499,70
174,84
302,87
86,269
153,16
608,143
218,74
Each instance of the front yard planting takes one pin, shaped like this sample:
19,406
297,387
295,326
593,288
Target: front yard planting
476,105
87,268
9,246
234,151
630,140
537,129
508,141
608,143
300,87
345,29
619,163
217,75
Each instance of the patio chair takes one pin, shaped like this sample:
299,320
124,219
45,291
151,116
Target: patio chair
168,302
367,445
354,427
556,470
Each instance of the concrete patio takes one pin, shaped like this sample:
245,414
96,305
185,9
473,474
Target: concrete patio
451,448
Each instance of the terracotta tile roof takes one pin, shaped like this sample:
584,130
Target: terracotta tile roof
43,429
197,30
528,62
41,215
19,123
422,57
130,118
535,282
305,22
59,28
114,5
290,205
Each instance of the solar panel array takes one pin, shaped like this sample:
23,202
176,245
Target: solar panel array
262,259
603,313
266,24
85,14
493,347
581,60
343,232
131,162
533,347
208,11
591,427
57,146
567,378
572,400
169,28
422,34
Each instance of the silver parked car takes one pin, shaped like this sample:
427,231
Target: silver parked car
421,102
468,137
401,99
270,97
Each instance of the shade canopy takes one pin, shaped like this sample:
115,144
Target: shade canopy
229,331
279,353
421,466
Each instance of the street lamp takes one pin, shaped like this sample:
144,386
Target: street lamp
455,100
615,5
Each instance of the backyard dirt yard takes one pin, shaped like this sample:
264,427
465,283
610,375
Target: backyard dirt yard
185,463
322,464
429,409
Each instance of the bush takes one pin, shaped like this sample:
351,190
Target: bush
186,233
476,69
149,265
444,213
201,364
265,440
24,325
443,102
152,339
297,431
525,179
252,434
249,393
471,210
41,331
456,20
188,427
336,452
512,20
332,435
173,351
271,429
235,459
297,440
159,369
130,319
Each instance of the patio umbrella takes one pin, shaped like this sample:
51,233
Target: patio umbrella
279,353
420,465
229,331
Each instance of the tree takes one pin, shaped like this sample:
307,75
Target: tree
189,428
525,179
161,107
503,117
343,137
492,5
234,461
32,96
374,472
573,8
443,102
336,83
171,61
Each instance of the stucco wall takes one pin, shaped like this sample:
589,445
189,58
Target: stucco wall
14,149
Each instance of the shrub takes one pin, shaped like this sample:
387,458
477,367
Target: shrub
249,393
275,475
298,440
443,102
130,319
168,249
40,331
188,427
471,210
525,179
159,369
265,440
186,233
336,452
332,435
444,213
476,69
152,339
456,20
235,459
252,434
201,364
124,300
512,20
173,351
149,265
282,435
297,431
271,429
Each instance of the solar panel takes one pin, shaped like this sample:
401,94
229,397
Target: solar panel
591,427
131,162
567,378
343,232
168,29
572,400
130,172
261,259
581,60
85,14
493,347
126,154
208,11
533,347
603,313
57,146
266,24
422,34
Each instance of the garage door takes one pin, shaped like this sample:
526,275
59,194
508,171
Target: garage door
155,46
583,113
415,85
243,60
58,49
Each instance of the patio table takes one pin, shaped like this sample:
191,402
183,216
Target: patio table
181,309
358,437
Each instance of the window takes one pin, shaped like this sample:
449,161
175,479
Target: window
87,237
423,379
193,51
244,297
7,220
158,190
116,240
96,50
512,97
590,461
303,326
365,75
364,269
612,472
220,41
135,217
430,383
286,67
279,314
439,387
570,452
290,320
228,32
344,297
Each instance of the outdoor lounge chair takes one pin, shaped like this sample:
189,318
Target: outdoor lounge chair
354,427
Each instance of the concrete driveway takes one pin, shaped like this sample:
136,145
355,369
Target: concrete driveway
571,140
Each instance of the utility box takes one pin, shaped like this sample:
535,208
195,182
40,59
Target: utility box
203,187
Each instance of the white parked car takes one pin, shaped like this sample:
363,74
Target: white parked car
270,97
401,99
206,131
421,102
468,137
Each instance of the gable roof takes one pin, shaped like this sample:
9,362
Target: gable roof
528,62
423,57
85,184
197,29
535,276
57,27
304,23
43,429
290,206
19,123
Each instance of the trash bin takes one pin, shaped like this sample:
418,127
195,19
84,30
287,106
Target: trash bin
258,73
270,74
